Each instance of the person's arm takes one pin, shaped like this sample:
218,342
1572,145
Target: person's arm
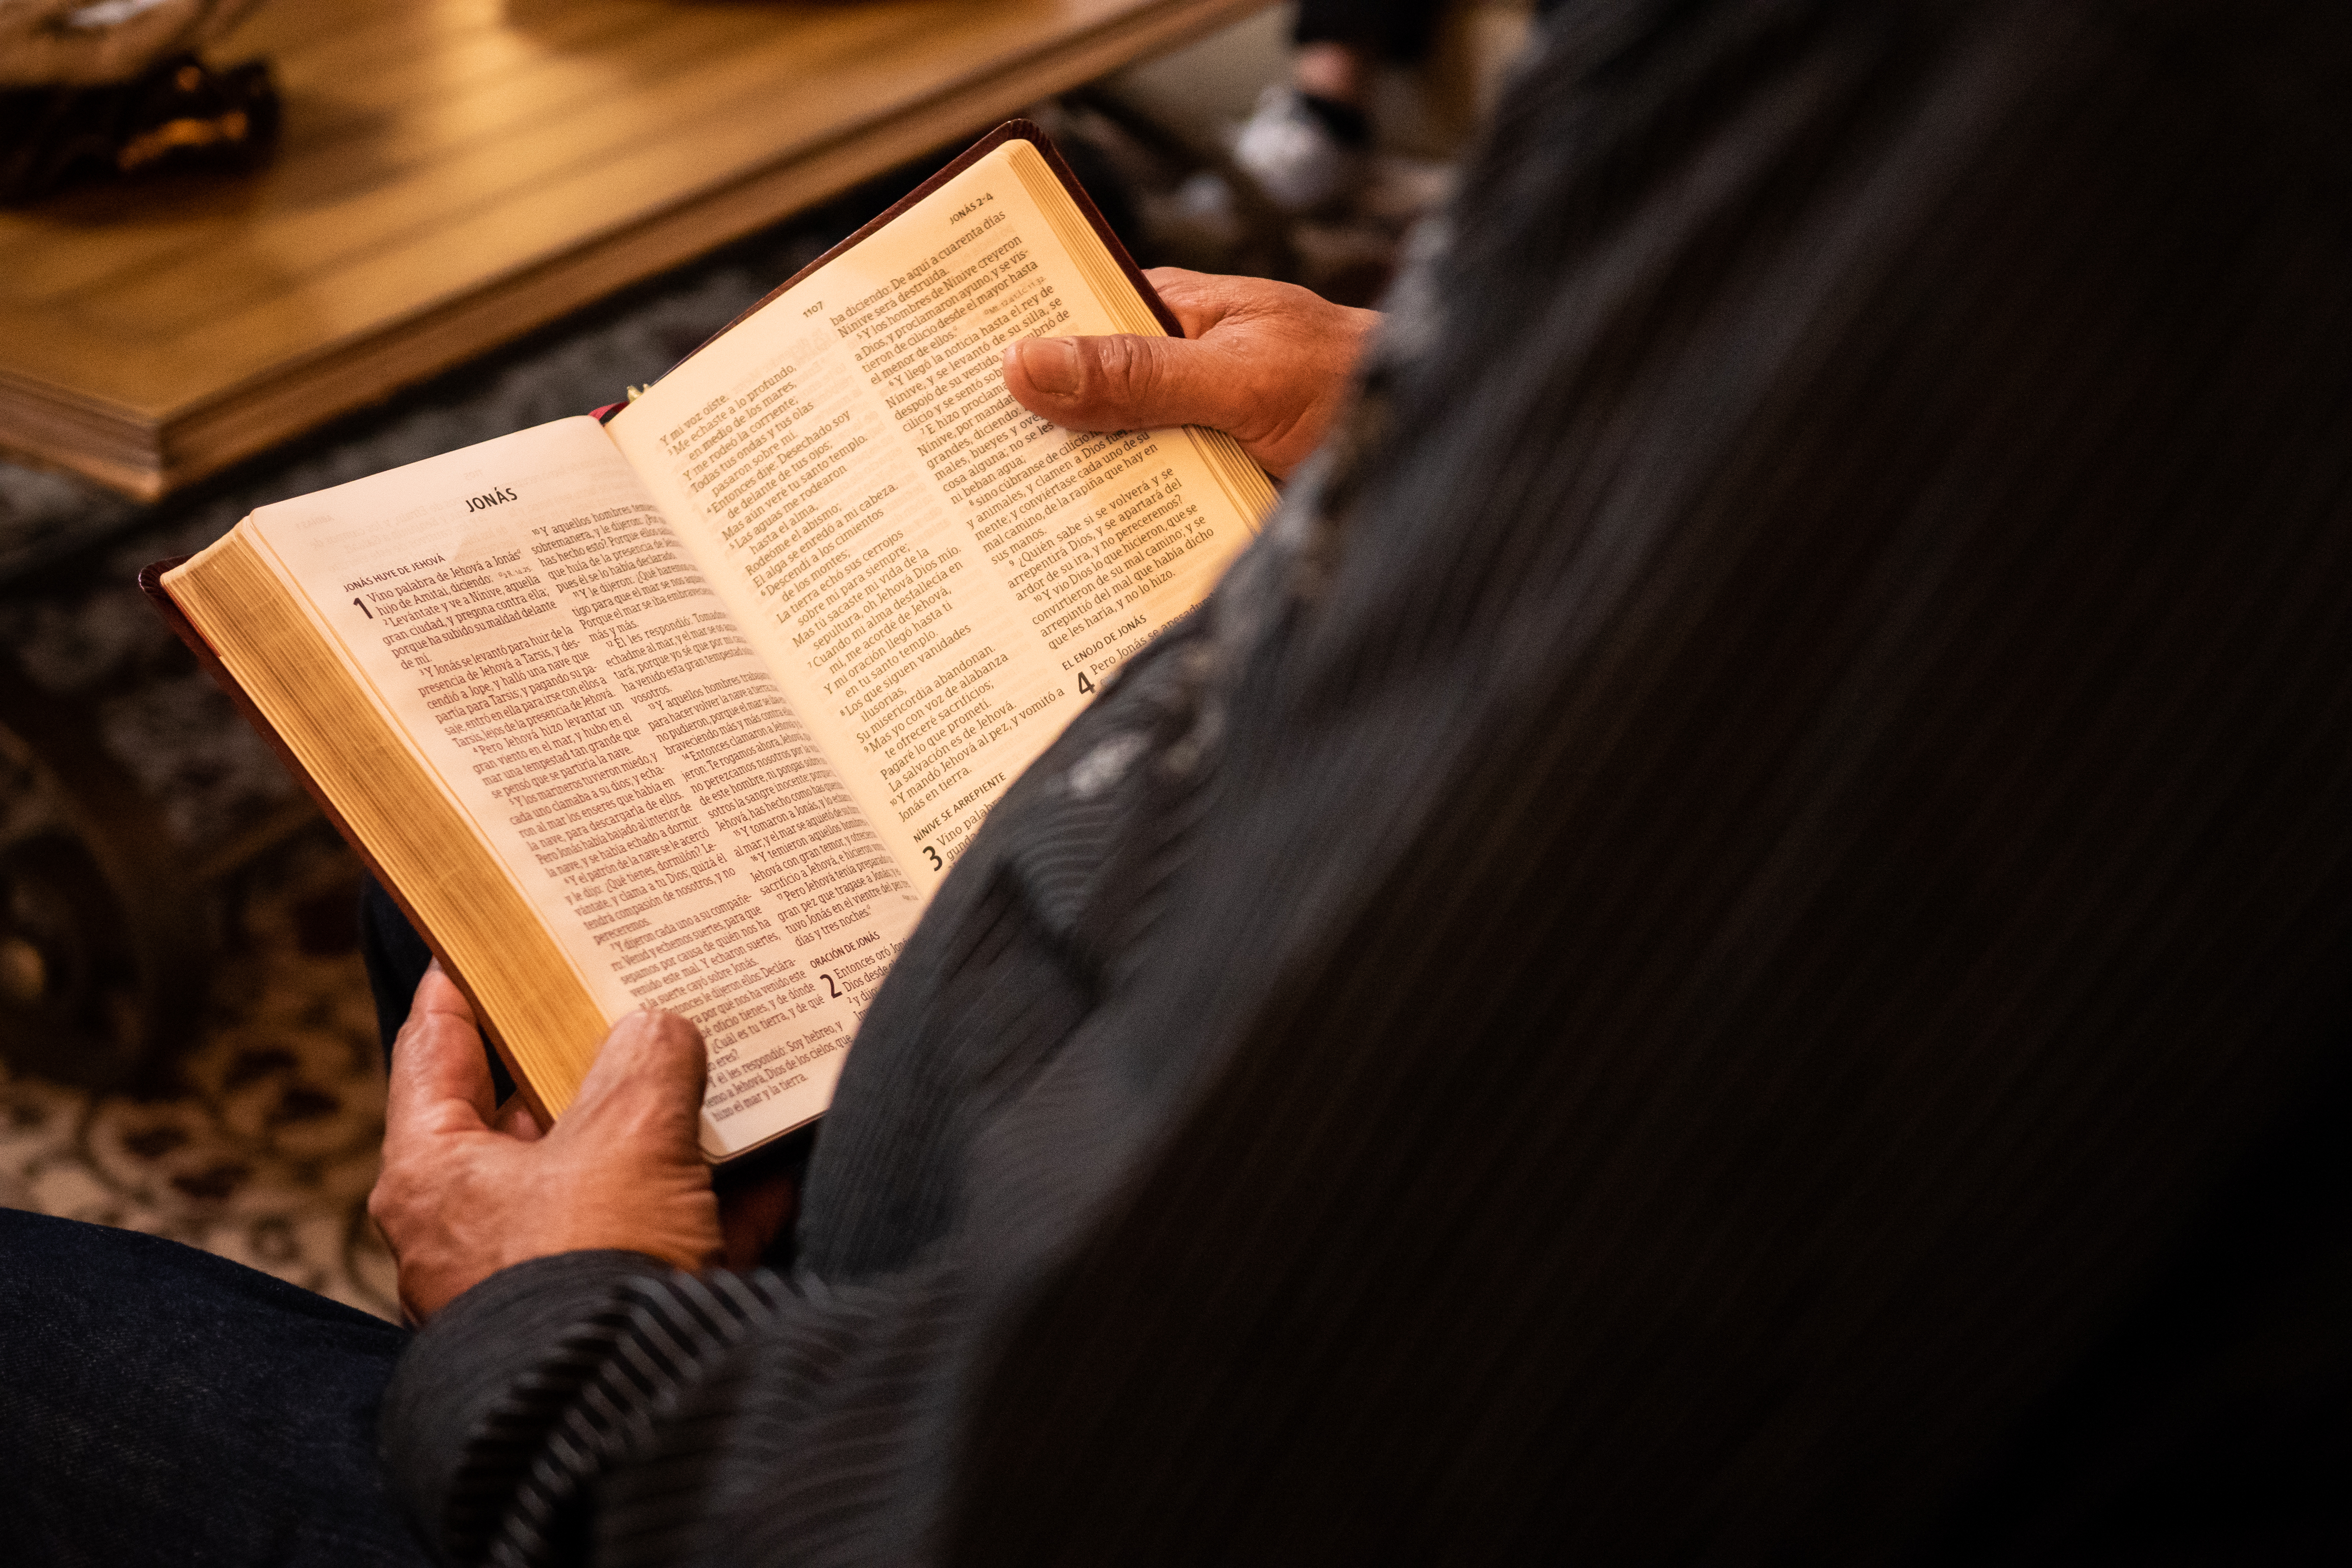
555,1276
1270,363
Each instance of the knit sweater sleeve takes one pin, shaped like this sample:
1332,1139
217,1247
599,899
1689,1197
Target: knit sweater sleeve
593,1407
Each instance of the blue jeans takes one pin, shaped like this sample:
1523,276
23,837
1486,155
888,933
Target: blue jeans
159,1405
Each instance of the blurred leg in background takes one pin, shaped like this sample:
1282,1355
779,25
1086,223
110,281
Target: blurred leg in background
1308,144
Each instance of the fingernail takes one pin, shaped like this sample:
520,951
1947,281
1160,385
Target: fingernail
1052,364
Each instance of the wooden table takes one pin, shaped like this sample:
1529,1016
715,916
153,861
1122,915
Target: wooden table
455,172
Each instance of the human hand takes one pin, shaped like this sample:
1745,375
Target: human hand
467,1190
1270,363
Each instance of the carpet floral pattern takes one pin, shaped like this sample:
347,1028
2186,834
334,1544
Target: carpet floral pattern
267,1154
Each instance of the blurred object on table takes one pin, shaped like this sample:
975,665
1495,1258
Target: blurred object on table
177,115
76,43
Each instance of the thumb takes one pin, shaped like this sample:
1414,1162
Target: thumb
1122,383
646,1083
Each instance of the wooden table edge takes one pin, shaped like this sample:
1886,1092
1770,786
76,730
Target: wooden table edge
146,454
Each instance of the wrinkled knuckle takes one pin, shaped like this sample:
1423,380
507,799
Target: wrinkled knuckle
1126,368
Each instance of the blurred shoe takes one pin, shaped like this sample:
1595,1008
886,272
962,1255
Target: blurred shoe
1305,154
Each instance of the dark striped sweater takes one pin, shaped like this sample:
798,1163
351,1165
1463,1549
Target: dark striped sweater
1727,946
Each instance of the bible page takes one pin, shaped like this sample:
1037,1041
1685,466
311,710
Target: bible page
533,627
937,578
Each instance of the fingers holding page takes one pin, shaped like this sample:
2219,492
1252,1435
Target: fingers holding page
1270,363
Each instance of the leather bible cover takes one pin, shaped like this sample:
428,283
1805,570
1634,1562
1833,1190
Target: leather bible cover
150,578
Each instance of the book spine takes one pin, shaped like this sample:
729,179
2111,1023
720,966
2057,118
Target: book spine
151,583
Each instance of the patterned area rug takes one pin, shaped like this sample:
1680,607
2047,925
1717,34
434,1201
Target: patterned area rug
268,1155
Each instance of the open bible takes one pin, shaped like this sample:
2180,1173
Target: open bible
695,705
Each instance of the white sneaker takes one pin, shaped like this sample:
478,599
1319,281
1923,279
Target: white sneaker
1292,155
